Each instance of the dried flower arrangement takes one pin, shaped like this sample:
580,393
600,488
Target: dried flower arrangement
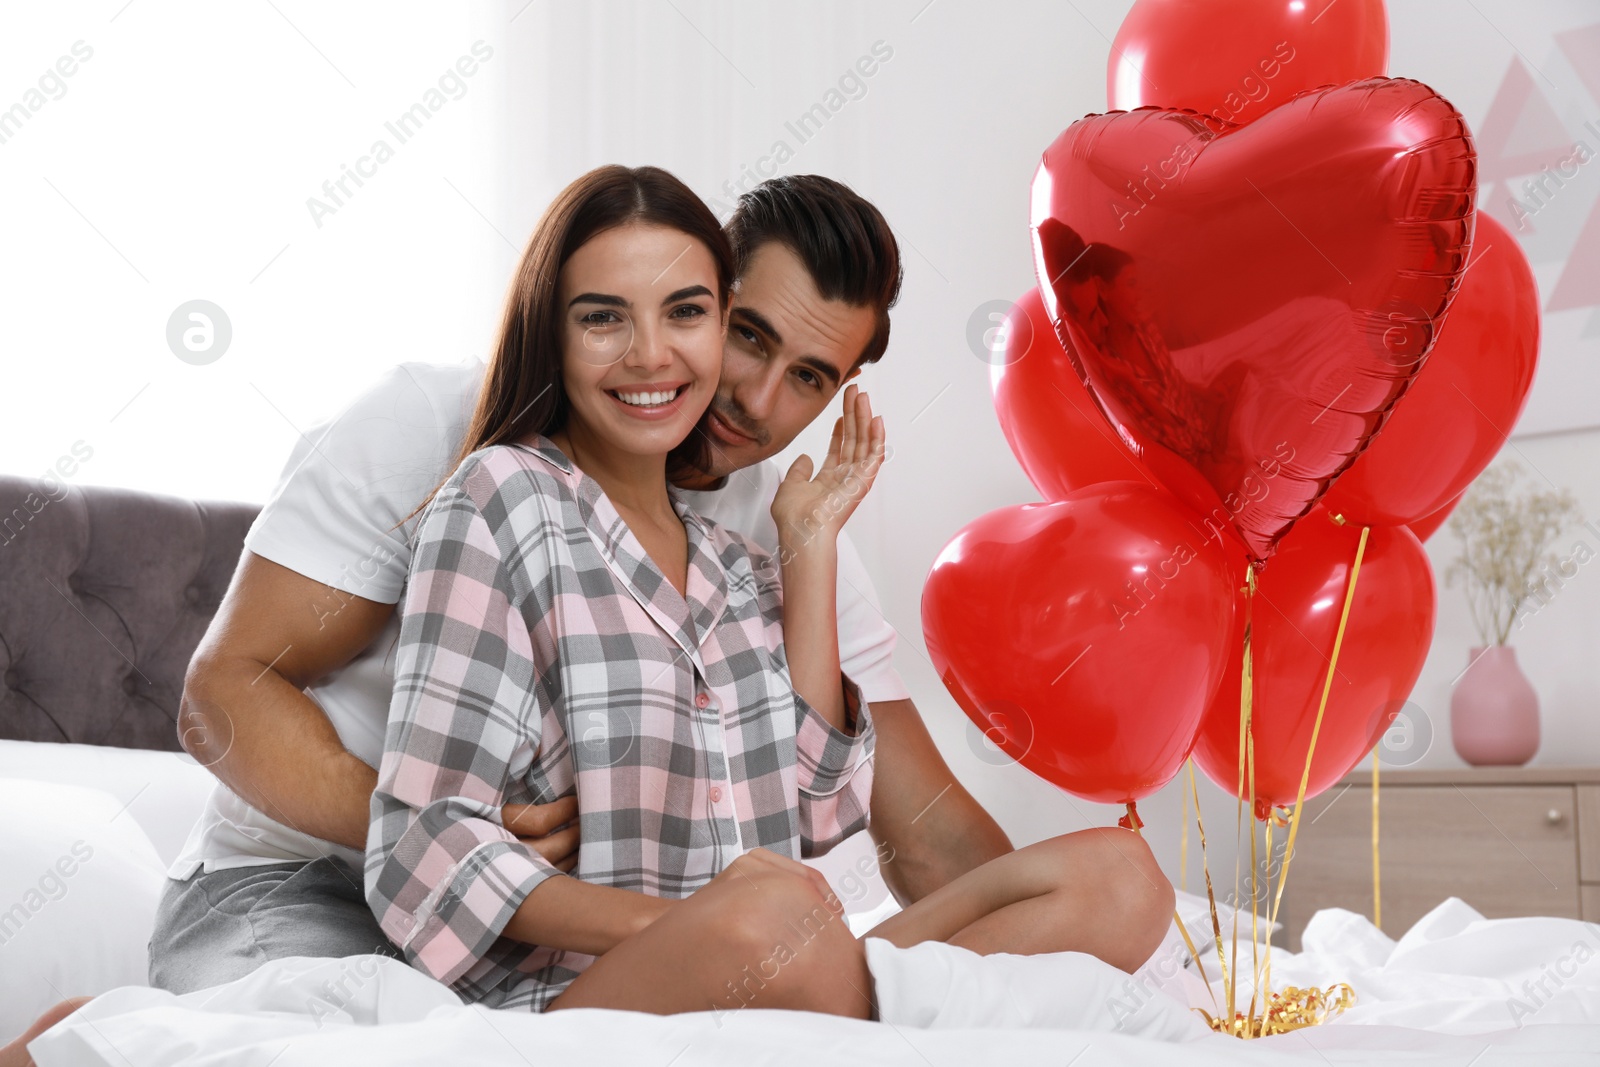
1507,530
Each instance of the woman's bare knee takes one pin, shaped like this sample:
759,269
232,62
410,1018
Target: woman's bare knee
1115,901
1137,895
793,949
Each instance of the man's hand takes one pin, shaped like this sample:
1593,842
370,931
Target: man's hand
805,506
551,829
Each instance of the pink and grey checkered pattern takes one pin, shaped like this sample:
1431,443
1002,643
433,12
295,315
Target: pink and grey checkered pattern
543,653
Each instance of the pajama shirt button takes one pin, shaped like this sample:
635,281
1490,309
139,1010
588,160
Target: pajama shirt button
716,794
702,700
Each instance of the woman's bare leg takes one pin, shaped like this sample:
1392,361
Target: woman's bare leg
16,1053
1098,891
761,934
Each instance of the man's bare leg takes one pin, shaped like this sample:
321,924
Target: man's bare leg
1098,891
16,1053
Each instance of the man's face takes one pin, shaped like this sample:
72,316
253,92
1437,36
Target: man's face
788,351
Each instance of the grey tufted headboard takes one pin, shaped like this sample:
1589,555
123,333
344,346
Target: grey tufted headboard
104,594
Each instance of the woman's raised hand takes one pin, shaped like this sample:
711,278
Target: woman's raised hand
806,507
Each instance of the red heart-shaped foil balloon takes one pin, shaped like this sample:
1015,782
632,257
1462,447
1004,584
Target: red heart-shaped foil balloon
1246,303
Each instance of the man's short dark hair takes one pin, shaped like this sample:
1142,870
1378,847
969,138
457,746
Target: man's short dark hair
844,242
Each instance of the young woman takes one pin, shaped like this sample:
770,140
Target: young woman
571,627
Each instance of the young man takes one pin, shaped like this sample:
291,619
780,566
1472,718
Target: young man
287,697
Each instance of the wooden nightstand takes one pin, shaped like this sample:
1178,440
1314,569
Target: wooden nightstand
1509,841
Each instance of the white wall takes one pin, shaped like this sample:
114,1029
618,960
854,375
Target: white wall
177,164
193,138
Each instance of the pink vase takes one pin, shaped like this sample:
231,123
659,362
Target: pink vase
1494,712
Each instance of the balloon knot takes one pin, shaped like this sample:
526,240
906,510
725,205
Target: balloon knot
1276,814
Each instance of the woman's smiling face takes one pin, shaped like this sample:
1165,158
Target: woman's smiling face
642,337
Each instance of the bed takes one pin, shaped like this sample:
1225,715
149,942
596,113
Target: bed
103,595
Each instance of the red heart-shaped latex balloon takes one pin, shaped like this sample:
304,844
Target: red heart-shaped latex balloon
1085,637
1455,419
1050,421
1428,525
1294,621
1248,302
1239,59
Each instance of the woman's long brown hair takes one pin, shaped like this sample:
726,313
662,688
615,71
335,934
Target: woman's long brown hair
522,389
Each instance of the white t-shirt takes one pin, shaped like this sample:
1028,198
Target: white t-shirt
339,517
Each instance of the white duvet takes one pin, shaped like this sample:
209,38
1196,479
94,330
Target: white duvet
1456,989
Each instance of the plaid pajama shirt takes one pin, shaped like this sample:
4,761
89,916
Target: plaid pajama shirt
542,653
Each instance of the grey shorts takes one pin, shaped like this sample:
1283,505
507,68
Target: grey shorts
214,928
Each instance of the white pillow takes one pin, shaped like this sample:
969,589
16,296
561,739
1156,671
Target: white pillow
78,894
165,791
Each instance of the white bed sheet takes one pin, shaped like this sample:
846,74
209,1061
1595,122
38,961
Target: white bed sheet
1446,993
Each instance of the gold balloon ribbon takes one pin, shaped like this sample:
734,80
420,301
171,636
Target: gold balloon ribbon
1255,866
1377,894
1316,728
1183,830
1246,776
1211,899
1266,978
1132,822
1292,1008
